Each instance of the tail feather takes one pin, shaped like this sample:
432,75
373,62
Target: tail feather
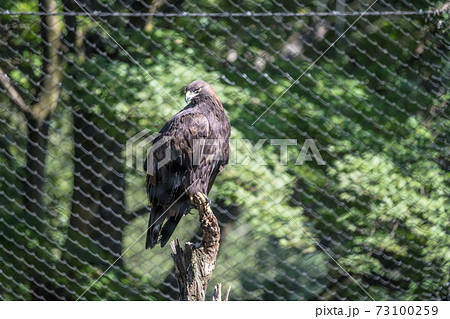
152,236
169,227
154,226
157,231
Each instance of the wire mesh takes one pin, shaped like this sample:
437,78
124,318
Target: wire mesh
79,79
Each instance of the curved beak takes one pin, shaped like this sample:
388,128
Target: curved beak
189,96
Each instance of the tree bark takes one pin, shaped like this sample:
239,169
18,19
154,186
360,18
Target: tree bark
226,221
194,266
37,117
98,202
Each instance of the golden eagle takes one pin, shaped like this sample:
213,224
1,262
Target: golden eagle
190,150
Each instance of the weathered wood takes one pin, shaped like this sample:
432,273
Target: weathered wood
194,265
217,294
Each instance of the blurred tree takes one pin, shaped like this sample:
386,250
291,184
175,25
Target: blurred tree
37,111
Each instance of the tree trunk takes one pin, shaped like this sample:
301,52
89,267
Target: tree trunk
35,213
98,202
37,139
226,221
194,265
37,116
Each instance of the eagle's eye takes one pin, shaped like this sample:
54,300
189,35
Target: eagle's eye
198,90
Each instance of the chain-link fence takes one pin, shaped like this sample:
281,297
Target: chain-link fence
360,85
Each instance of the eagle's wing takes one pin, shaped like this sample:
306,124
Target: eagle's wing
222,151
172,168
172,172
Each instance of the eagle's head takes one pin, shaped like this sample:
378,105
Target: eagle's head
199,90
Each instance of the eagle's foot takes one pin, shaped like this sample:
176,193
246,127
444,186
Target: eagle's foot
202,203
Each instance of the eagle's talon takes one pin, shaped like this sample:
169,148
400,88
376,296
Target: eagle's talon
202,203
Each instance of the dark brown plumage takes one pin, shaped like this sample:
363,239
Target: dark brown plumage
170,185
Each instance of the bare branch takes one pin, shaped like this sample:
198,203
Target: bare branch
12,92
52,65
217,295
227,294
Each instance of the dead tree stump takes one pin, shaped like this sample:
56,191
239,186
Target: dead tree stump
194,265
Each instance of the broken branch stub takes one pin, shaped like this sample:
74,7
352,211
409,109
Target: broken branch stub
194,265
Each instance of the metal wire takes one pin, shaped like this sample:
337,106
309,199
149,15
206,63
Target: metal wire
229,14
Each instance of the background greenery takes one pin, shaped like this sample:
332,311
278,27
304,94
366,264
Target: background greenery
375,105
